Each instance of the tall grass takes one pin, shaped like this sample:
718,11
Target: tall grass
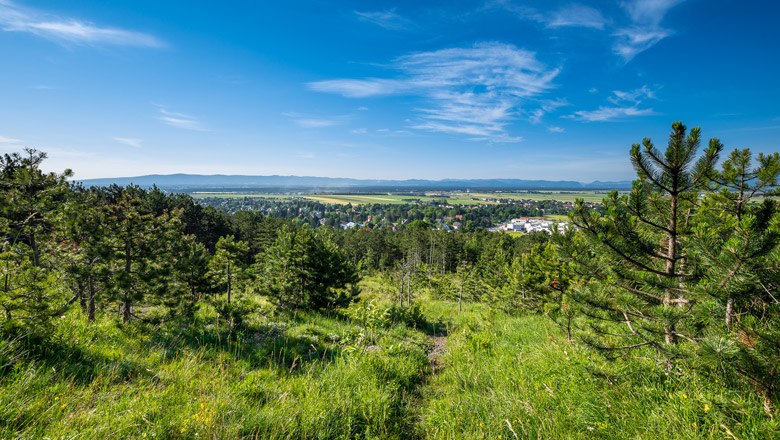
518,377
362,374
289,380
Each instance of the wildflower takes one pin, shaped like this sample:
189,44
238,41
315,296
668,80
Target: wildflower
684,396
56,398
706,407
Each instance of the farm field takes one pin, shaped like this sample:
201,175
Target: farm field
454,198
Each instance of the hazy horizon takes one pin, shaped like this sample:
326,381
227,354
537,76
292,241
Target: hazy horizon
533,90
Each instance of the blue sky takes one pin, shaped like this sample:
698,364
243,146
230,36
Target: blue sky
483,89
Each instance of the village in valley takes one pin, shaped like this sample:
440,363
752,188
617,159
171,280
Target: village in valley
527,225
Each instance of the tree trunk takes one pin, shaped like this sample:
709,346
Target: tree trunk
670,336
729,312
126,310
460,297
229,282
81,294
126,306
91,300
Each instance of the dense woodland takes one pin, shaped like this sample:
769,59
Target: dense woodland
676,282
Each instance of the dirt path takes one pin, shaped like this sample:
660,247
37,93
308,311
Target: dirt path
436,354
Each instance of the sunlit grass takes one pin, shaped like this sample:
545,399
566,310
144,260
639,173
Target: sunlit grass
306,375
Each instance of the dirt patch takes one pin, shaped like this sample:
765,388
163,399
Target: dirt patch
437,353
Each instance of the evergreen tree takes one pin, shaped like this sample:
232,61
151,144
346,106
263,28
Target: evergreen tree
302,270
737,245
87,262
642,237
31,204
141,250
227,264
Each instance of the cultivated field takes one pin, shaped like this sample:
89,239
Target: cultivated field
454,198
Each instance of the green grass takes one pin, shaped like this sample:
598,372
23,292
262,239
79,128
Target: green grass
311,376
503,374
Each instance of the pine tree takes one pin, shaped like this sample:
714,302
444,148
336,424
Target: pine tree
302,270
737,244
227,264
642,238
30,212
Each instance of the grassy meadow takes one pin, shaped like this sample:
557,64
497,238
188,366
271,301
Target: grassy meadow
371,371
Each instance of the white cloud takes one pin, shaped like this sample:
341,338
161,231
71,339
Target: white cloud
635,96
576,15
387,19
547,106
648,11
603,114
130,142
626,104
474,91
645,30
570,15
180,120
555,129
307,121
361,88
69,30
9,141
639,30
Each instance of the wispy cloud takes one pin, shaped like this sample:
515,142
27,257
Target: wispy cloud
42,87
635,96
7,141
180,120
387,19
625,104
308,121
603,114
14,18
638,30
556,129
130,142
645,30
570,15
473,91
576,15
548,106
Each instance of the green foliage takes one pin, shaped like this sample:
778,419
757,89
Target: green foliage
303,270
640,242
31,208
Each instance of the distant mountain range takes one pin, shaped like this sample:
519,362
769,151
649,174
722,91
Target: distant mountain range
193,182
